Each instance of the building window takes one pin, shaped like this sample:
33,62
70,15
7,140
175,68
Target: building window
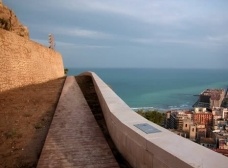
193,129
186,125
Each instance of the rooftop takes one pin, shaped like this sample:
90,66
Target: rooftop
215,94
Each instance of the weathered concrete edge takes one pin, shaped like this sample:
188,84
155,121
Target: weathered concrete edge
163,149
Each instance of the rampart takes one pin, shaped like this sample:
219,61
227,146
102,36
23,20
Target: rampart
24,62
158,149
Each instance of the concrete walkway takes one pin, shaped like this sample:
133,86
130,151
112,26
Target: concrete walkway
74,138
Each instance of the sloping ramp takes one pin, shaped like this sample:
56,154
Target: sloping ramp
74,138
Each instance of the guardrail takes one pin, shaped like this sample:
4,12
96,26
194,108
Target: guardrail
145,144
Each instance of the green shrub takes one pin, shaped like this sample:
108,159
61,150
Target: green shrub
152,115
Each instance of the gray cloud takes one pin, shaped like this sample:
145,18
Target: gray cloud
112,33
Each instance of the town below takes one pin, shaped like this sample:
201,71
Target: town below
205,124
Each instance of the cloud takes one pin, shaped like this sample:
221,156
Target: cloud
79,46
79,32
74,32
219,39
136,27
209,43
71,45
164,12
156,12
159,16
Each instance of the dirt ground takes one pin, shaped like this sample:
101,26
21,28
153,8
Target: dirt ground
25,117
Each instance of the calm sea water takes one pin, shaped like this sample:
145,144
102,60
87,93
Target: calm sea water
161,89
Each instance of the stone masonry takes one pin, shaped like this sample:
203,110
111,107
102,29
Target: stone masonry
25,62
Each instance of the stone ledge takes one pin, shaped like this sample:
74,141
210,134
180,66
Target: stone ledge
157,150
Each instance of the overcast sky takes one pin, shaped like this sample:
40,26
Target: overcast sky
131,33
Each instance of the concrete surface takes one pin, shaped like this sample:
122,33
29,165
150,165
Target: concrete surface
74,138
157,150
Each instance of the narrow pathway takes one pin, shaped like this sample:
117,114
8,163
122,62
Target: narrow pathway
87,87
74,138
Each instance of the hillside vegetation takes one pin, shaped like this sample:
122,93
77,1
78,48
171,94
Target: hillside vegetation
152,115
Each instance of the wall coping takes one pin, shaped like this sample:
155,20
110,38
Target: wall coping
165,147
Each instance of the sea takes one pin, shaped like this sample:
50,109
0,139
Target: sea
159,89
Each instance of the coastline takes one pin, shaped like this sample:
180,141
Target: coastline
158,88
162,110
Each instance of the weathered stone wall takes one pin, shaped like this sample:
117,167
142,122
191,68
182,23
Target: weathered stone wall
24,62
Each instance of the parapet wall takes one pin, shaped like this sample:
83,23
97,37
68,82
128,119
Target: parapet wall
24,62
162,149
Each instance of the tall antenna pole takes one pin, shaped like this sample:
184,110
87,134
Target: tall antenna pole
51,41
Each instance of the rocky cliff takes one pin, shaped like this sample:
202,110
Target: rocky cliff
10,22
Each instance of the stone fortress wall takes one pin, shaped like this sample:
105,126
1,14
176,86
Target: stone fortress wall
24,62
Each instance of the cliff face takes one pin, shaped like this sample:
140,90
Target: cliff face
10,22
